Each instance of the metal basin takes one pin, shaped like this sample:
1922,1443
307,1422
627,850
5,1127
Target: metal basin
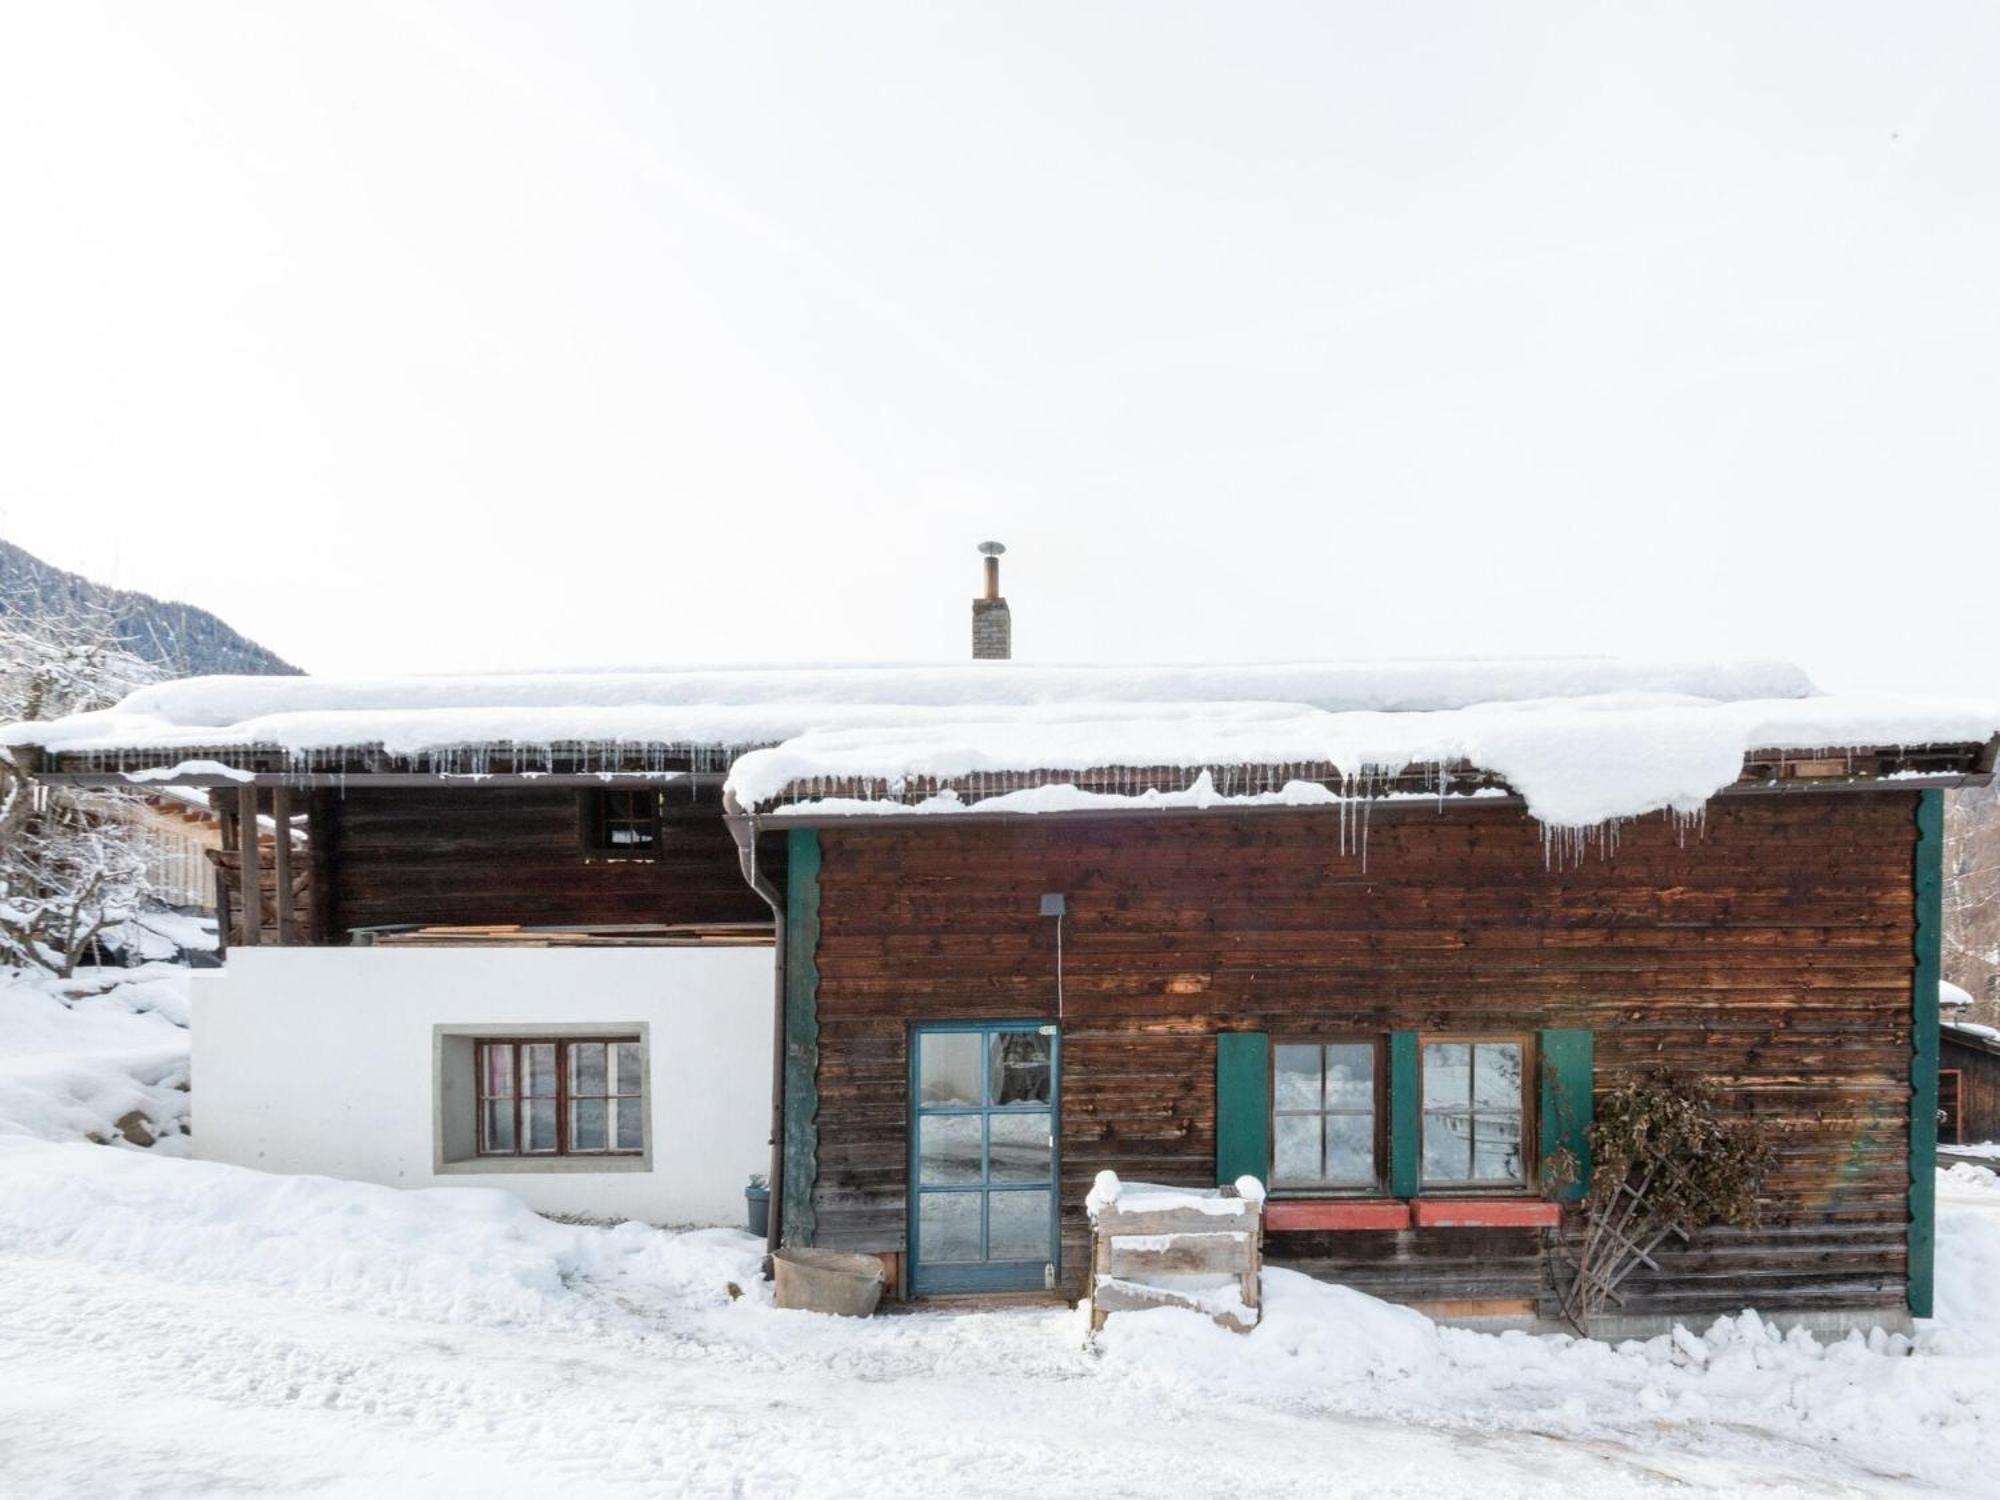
828,1281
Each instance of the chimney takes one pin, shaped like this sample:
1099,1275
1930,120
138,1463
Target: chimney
992,625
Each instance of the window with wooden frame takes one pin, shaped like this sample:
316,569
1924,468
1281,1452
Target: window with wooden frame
1326,1115
622,823
1475,1112
561,1097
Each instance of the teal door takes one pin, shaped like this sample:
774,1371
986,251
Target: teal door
983,1172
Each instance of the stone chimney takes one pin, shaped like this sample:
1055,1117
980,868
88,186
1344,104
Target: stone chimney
992,625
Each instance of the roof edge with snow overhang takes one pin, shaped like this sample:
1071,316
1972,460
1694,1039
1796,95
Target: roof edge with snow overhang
1580,743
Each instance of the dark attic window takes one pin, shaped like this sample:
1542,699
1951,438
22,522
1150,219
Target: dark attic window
621,824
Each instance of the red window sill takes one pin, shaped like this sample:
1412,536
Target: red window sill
1485,1213
1336,1213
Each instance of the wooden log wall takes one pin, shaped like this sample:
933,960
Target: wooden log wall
459,856
1770,952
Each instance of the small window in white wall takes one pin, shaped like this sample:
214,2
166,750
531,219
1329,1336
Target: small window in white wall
561,1096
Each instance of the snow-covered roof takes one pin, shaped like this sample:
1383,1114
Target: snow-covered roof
1951,997
1583,741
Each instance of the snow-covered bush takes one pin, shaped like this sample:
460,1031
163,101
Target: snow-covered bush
68,865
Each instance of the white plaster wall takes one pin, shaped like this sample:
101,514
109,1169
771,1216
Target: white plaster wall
324,1060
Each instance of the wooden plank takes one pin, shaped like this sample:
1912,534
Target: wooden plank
1140,1256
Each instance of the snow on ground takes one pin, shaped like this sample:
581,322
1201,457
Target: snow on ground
78,1055
170,1326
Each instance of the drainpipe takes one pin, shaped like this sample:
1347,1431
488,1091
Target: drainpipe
743,829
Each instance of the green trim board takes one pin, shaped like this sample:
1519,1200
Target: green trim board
1242,1106
1928,883
1567,1069
1406,1117
801,1036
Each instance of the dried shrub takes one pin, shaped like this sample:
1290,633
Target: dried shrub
1663,1162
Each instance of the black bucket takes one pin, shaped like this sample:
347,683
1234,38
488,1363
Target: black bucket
758,1200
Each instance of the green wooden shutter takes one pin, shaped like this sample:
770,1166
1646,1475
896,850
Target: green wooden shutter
1406,1116
1928,882
1242,1106
1568,1063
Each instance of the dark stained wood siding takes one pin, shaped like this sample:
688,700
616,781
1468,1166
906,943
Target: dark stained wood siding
469,855
1770,952
1979,1088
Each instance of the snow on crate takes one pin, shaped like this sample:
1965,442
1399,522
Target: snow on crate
1583,742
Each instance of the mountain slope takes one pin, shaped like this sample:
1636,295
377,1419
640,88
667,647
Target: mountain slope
186,641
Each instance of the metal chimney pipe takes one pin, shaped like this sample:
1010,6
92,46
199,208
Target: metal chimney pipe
992,623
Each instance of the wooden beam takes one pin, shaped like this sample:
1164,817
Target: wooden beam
801,1038
281,864
249,872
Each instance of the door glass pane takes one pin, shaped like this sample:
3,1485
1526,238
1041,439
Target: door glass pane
540,1116
1350,1076
500,1125
587,1125
1295,1077
948,1148
628,1067
586,1068
1350,1149
1447,1148
948,1227
1019,1064
631,1116
948,1067
1496,1075
1496,1155
1295,1150
1020,1148
1018,1226
1447,1075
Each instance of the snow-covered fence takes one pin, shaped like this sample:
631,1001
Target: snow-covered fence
1199,1248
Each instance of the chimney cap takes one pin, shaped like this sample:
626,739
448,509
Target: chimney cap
992,549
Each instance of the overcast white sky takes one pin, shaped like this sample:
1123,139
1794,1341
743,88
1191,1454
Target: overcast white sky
472,337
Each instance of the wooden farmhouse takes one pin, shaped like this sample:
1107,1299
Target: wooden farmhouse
932,947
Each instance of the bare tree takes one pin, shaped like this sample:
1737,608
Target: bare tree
68,866
1972,897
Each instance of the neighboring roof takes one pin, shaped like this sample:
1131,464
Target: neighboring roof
1582,741
1951,997
1970,1034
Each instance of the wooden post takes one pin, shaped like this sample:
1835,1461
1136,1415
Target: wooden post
249,873
319,868
281,864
